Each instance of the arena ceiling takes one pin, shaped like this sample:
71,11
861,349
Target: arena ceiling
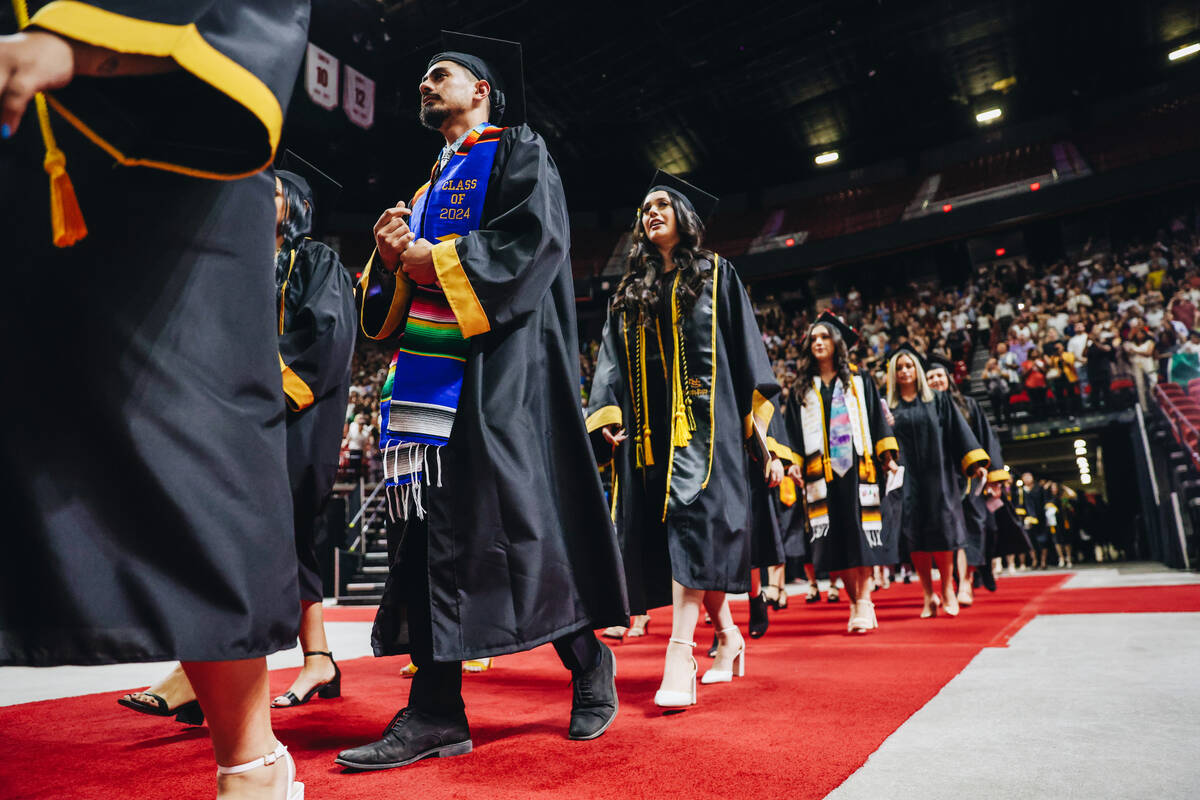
744,94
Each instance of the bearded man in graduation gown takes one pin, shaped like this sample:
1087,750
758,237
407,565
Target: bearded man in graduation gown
500,539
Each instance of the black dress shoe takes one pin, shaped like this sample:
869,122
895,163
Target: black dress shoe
411,736
594,698
984,576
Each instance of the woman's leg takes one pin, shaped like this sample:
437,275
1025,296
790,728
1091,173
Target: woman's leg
862,582
966,574
729,638
317,669
685,613
945,564
236,702
923,564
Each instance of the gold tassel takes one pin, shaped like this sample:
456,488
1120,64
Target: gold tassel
681,434
828,464
66,220
646,450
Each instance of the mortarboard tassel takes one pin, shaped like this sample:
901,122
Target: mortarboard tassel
66,220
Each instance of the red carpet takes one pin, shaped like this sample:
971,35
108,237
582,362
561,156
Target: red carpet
781,731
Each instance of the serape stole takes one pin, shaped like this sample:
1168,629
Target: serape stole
424,382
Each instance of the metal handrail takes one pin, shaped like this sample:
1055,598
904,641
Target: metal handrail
366,525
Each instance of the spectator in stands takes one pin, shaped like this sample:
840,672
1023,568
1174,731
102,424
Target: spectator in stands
997,386
1140,350
1064,380
1033,378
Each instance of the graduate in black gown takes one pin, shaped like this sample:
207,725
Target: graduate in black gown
500,538
978,521
318,322
935,445
843,448
682,383
152,512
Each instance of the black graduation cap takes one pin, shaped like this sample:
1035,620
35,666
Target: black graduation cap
908,347
703,203
936,360
322,190
497,61
827,317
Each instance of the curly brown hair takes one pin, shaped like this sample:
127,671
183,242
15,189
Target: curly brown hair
644,287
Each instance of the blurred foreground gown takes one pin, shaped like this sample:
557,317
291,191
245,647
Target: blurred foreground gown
142,458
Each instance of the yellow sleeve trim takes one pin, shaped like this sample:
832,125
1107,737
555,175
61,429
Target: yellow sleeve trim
998,476
457,287
299,396
183,44
606,415
761,411
885,444
397,311
976,456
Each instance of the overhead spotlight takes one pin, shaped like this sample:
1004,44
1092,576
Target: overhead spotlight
828,157
988,115
1085,479
1081,442
1184,52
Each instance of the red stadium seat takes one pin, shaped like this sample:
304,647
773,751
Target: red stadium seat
1174,389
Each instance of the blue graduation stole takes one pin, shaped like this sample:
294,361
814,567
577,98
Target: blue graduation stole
420,396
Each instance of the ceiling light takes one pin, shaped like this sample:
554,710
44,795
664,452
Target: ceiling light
1081,443
827,157
1184,52
989,115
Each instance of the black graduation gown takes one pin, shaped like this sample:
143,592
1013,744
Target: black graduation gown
936,444
766,506
142,464
846,544
976,518
320,323
521,547
706,542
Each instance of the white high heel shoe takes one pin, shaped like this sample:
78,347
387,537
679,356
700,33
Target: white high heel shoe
669,698
295,788
714,675
863,619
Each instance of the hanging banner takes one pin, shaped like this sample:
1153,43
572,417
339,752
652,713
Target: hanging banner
358,98
321,77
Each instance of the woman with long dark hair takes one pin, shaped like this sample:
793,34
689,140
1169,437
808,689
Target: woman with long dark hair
682,384
935,443
842,445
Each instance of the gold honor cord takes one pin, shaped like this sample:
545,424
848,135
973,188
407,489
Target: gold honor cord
66,219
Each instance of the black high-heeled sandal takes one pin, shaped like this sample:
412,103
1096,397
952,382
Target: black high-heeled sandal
327,691
188,713
759,622
782,601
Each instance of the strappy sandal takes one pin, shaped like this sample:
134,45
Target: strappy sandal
327,691
640,625
295,788
188,713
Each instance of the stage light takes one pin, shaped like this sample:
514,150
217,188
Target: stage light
1081,443
946,208
1085,479
1000,251
826,158
1033,187
988,115
789,242
1184,52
